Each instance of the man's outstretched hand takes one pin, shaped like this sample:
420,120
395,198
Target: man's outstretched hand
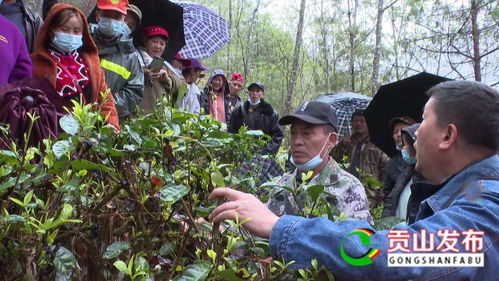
246,206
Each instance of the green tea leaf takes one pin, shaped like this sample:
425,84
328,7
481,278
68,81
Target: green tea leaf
217,179
135,136
9,157
61,148
82,164
5,170
195,272
121,266
229,275
7,185
115,249
315,191
64,260
166,249
173,193
69,124
12,219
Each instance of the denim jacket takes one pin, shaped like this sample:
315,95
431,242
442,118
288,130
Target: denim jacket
452,207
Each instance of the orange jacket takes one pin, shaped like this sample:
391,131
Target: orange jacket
44,66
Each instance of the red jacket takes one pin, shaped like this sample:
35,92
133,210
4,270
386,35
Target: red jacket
44,66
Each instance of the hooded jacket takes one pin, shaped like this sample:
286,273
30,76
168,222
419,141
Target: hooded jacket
45,66
204,101
264,118
124,76
420,188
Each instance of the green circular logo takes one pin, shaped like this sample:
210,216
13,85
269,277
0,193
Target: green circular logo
366,258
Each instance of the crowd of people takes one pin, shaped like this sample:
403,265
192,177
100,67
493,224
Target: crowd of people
456,143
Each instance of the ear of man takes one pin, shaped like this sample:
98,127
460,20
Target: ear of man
449,137
333,137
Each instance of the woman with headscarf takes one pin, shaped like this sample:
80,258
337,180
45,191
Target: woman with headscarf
68,57
159,81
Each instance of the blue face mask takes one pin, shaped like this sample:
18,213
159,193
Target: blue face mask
112,27
408,158
67,42
313,162
253,103
126,30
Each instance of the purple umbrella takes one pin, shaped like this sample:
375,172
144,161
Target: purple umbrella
205,32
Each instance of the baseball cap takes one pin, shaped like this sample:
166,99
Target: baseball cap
156,31
312,112
117,5
195,63
135,10
185,62
256,84
402,119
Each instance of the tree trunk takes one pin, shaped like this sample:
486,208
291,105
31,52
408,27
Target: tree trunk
377,49
296,59
351,39
475,35
325,48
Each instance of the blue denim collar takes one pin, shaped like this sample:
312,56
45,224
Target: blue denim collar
482,169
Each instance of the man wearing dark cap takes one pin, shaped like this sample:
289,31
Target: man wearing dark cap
313,134
457,145
257,114
396,164
124,76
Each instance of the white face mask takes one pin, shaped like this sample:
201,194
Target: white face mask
67,42
254,103
313,162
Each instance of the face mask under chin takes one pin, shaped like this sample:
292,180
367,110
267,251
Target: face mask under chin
313,163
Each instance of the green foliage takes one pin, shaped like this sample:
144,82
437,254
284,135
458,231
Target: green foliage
94,202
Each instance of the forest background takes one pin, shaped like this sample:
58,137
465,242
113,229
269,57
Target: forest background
300,49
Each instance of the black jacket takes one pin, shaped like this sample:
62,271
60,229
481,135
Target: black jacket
420,190
264,118
392,171
391,201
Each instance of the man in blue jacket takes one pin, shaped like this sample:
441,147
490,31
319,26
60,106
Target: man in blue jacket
457,145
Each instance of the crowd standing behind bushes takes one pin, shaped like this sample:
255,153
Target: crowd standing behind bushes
98,64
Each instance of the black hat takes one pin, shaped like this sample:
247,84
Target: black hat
411,132
312,112
256,84
402,119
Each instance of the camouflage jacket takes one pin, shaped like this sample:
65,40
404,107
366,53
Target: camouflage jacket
346,193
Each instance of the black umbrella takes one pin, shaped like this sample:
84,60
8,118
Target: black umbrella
165,14
405,97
